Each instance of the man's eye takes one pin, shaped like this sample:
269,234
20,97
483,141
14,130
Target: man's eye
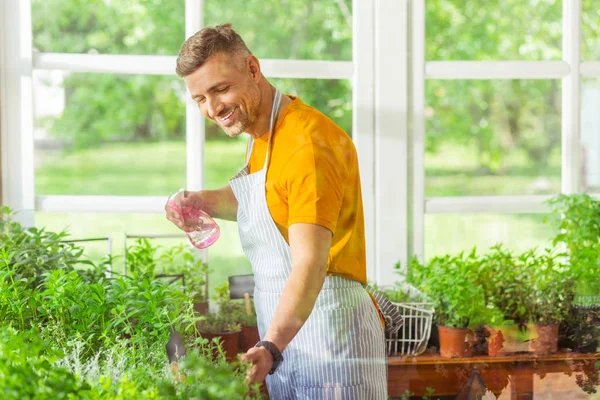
223,90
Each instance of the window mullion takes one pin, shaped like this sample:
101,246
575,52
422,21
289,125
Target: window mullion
363,116
391,108
416,155
571,146
17,109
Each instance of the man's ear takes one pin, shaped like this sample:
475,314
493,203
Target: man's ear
253,66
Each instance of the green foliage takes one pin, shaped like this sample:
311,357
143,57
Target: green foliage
576,221
552,288
101,339
57,294
449,282
227,319
469,289
205,380
184,259
28,370
506,281
34,251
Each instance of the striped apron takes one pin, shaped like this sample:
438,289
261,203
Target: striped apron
339,353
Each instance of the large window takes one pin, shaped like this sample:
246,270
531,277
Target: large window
501,115
463,113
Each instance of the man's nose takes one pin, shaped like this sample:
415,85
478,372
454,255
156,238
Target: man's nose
214,107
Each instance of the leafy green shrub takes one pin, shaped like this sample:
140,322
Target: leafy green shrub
28,370
35,251
101,338
450,283
576,220
183,259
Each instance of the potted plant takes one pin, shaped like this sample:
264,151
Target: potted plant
505,278
459,303
223,323
580,330
551,294
576,220
221,329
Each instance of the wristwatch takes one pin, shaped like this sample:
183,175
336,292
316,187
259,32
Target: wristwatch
275,353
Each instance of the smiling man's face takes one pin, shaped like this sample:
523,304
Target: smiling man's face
226,92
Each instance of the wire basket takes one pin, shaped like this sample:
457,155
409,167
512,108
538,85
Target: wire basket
411,339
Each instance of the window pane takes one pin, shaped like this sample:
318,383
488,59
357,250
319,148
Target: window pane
103,134
453,233
224,260
492,30
108,27
590,30
590,135
492,137
290,29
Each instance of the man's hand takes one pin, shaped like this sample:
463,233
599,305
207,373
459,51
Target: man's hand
262,362
181,200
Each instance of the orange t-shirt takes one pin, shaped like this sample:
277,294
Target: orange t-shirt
313,178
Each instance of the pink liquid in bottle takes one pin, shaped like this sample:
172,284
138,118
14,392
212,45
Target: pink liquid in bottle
206,230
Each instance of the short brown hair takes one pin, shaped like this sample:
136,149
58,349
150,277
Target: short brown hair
197,49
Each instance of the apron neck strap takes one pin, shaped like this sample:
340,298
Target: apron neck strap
274,115
273,119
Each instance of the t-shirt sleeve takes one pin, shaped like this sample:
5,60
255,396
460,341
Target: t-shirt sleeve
313,179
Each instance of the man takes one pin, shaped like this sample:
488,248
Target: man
300,217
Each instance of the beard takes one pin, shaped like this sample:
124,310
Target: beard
239,126
248,118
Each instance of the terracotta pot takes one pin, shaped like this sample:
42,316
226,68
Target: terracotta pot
495,342
201,307
455,342
248,338
546,341
229,341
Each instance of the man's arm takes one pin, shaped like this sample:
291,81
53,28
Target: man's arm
220,203
310,246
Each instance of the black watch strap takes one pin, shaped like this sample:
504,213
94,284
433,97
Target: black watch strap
277,357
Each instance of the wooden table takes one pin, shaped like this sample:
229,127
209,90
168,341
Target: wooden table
448,376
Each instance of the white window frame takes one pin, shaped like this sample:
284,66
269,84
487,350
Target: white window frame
16,109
